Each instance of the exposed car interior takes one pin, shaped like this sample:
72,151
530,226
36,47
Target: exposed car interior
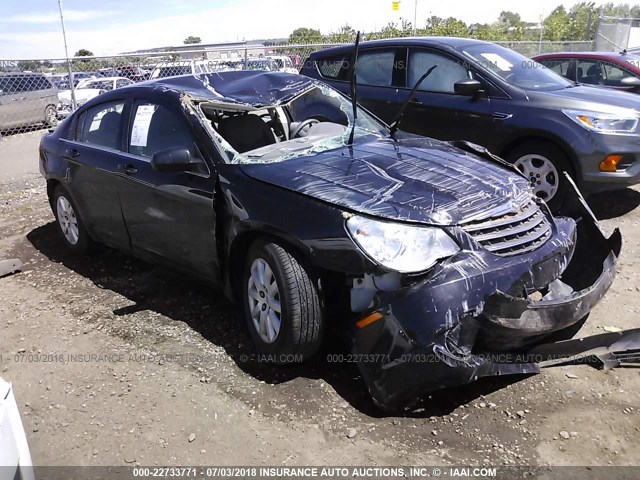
272,132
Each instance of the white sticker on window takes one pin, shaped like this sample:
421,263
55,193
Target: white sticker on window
141,123
499,62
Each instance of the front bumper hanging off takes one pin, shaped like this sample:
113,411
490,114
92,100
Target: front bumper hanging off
460,325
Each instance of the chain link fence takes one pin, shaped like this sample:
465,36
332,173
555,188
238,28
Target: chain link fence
615,34
39,93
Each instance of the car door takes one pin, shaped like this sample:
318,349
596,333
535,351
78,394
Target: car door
436,110
93,154
169,215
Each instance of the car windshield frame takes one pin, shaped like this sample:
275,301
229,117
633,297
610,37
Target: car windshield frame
514,68
366,127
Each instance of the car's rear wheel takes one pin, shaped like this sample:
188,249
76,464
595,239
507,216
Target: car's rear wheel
50,116
70,225
543,164
282,304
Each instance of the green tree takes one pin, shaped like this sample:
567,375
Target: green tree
449,27
345,34
83,52
305,35
556,25
191,40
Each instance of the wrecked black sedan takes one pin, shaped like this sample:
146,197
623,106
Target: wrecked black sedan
433,258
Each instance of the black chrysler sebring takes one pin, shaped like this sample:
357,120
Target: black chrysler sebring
435,260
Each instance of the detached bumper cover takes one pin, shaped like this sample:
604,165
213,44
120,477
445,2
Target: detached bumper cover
472,319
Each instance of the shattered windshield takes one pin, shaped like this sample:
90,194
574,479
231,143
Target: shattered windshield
317,120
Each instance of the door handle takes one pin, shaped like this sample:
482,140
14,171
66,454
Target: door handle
127,169
15,99
72,153
413,101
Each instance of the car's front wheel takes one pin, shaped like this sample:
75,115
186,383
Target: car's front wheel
543,164
282,304
70,225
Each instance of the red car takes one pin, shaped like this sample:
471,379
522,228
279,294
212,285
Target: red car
620,71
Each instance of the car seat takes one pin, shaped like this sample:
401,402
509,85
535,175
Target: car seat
594,75
246,132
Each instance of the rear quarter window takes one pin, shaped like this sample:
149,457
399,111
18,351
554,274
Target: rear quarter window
334,68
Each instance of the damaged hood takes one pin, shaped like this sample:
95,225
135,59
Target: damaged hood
417,180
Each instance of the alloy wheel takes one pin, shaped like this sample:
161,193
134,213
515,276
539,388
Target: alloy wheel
264,301
67,220
541,173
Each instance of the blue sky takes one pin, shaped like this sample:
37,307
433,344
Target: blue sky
31,28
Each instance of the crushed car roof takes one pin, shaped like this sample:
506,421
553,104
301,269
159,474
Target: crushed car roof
254,88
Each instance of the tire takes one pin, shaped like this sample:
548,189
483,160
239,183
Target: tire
70,225
543,163
50,116
301,318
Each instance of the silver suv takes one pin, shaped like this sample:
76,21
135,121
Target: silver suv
26,99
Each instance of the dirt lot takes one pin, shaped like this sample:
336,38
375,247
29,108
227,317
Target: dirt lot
80,339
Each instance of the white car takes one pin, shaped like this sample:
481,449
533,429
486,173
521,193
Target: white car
186,67
87,89
284,63
15,458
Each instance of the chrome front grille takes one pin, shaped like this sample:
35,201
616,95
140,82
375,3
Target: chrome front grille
518,232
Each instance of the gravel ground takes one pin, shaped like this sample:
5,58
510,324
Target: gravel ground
82,340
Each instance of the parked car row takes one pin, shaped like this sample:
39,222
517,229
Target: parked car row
484,93
86,90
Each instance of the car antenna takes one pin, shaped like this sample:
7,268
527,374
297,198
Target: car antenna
354,98
393,128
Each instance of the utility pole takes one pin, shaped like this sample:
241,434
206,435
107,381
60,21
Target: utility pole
541,34
415,17
66,54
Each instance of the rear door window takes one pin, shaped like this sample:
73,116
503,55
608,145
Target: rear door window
102,124
376,67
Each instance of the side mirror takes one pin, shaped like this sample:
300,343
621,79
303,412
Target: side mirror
468,88
174,160
630,82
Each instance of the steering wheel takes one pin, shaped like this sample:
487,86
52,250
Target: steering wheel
302,125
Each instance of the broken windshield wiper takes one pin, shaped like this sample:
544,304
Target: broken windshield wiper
396,122
354,99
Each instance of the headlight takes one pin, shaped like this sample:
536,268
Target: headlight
612,123
403,248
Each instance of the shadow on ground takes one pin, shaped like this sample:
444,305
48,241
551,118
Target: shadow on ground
207,311
608,205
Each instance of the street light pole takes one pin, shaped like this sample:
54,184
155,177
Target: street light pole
66,54
415,17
